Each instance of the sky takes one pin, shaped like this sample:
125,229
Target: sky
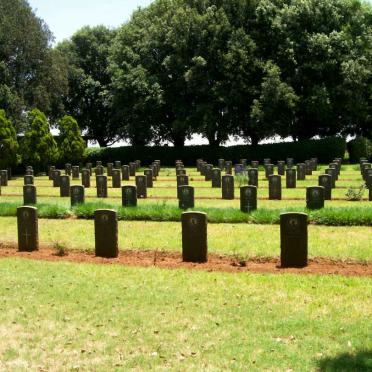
65,17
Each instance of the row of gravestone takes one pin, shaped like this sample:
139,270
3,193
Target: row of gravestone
293,235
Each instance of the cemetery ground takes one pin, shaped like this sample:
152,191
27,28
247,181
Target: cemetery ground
133,312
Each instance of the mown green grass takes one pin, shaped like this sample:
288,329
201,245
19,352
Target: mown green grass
93,318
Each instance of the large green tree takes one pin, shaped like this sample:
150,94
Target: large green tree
8,142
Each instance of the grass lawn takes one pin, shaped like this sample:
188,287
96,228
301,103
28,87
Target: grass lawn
63,316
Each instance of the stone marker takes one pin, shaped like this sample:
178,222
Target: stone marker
56,178
106,233
208,172
334,166
290,162
290,178
314,163
269,170
221,164
149,177
29,195
253,177
267,161
228,167
117,164
75,172
77,195
110,167
85,178
100,171
308,168
125,172
194,237
301,171
293,239
28,234
116,178
51,169
180,171
138,164
98,163
89,166
181,181
228,187
255,163
216,177
68,169
248,198
141,183
28,180
132,169
369,185
186,197
325,180
238,169
332,173
101,184
129,196
64,187
281,167
275,187
314,197
29,171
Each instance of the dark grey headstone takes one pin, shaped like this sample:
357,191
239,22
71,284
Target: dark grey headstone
216,177
334,166
293,239
110,167
106,233
253,177
89,166
100,171
180,171
64,186
75,172
221,164
365,169
208,172
101,184
248,198
255,164
290,162
269,170
275,187
68,169
308,168
198,164
149,177
116,179
194,237
186,197
332,173
267,161
290,178
29,171
228,187
314,163
77,195
28,234
129,196
29,195
325,180
51,169
369,185
238,169
141,183
28,180
228,167
117,164
301,171
98,163
314,197
182,180
281,167
132,169
56,178
125,172
85,178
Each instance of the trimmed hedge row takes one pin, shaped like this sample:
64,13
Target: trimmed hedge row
359,147
324,149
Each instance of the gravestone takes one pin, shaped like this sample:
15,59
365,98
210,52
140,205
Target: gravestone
228,187
138,164
141,183
269,170
56,178
89,166
314,163
28,232
29,195
238,169
290,178
117,164
332,173
253,177
301,171
98,163
369,185
314,197
194,237
4,177
85,177
244,163
221,164
77,195
51,169
367,172
198,164
255,164
68,169
29,171
180,171
228,166
208,172
248,198
132,169
101,184
203,165
125,173
64,186
28,180
275,187
281,167
149,177
216,177
185,197
290,162
100,171
106,233
325,180
129,196
110,167
182,180
308,168
293,239
267,161
75,172
365,168
334,166
116,178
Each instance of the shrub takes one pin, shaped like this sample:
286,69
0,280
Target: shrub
359,147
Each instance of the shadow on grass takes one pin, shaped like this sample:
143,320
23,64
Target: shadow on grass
359,361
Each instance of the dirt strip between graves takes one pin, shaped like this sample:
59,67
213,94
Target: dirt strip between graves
173,260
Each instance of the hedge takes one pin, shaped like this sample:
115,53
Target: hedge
359,147
324,149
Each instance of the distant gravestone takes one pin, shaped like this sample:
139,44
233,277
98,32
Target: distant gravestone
365,170
180,171
141,183
216,177
325,180
106,233
248,198
51,169
75,172
110,167
301,171
334,166
116,178
149,177
101,184
290,162
308,168
255,163
186,197
89,166
117,164
269,170
85,177
208,172
281,167
228,187
267,161
221,164
132,169
129,196
198,164
332,173
138,164
125,173
29,195
228,167
203,166
56,178
100,171
369,185
29,171
314,197
28,180
253,177
182,180
290,178
64,187
293,239
4,177
98,163
314,163
28,234
238,169
194,237
77,195
275,187
68,169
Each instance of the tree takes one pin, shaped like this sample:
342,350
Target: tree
8,142
71,144
38,146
